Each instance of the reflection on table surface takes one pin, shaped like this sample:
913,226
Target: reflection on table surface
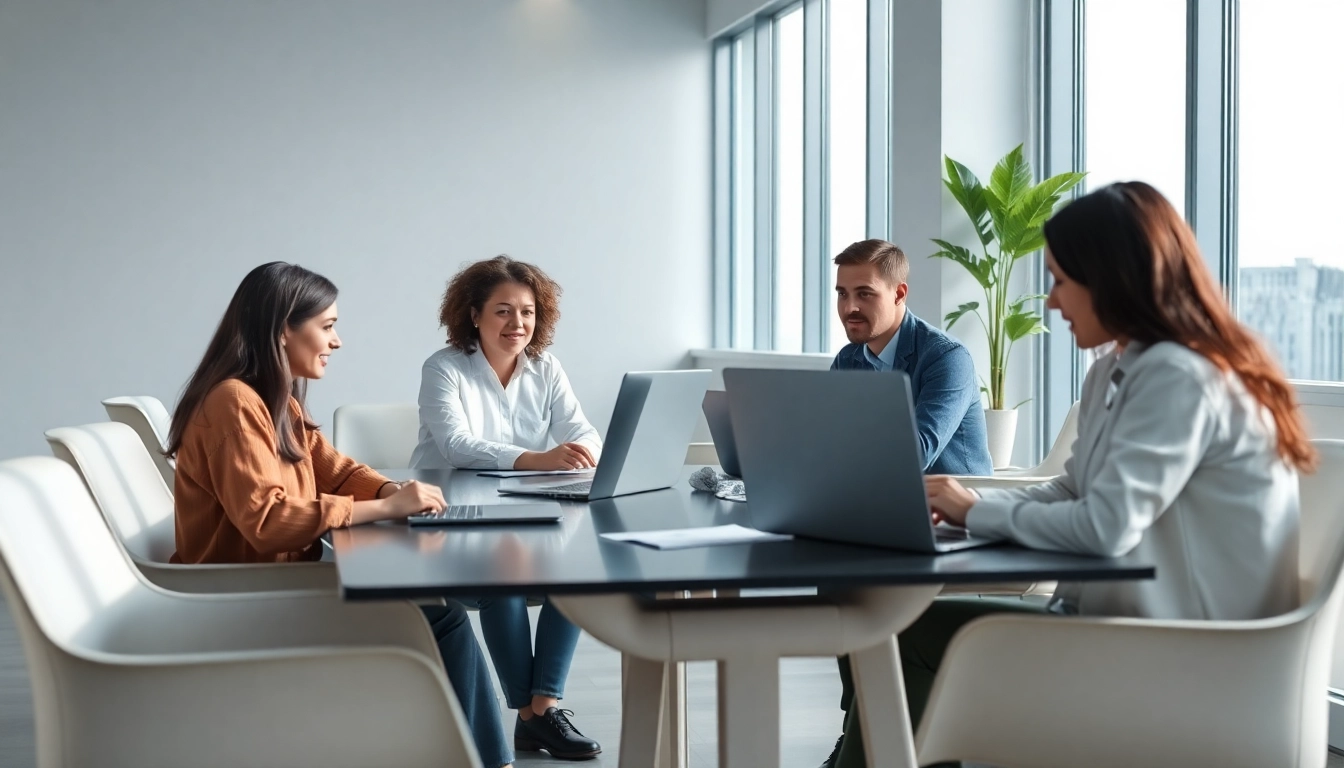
395,560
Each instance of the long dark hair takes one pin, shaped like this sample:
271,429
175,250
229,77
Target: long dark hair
1140,262
247,346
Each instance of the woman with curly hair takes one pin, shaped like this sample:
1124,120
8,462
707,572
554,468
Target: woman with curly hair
494,398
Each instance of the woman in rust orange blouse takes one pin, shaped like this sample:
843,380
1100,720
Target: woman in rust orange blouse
257,482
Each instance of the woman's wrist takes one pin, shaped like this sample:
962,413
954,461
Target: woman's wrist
524,460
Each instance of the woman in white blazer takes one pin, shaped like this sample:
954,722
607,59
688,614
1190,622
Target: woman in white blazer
494,398
1187,454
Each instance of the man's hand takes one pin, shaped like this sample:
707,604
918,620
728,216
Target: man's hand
563,456
948,500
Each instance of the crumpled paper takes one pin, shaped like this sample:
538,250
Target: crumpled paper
726,487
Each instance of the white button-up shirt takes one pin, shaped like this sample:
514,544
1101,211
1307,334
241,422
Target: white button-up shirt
469,420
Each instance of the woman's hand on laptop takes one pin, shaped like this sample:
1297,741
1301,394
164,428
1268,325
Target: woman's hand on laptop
411,498
563,456
949,501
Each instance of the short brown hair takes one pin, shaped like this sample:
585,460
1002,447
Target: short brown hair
470,288
890,260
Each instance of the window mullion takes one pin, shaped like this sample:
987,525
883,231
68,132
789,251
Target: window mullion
723,193
1062,143
879,119
1211,134
764,151
814,175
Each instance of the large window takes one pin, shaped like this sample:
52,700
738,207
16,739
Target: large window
1135,87
796,170
788,267
1232,109
846,140
1291,97
741,288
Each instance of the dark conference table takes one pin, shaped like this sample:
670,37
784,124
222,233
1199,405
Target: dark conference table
394,560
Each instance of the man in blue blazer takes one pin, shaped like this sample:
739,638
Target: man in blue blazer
885,335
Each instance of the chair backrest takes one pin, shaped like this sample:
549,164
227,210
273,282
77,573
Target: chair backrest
382,436
1322,532
65,566
128,488
1321,497
150,420
1053,463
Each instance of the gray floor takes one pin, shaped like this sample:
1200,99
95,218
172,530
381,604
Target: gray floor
809,689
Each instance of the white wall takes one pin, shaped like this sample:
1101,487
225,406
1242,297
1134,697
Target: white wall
153,151
986,111
720,15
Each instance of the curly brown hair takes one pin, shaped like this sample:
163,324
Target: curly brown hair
470,288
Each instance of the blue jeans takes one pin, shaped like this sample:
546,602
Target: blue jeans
523,672
465,665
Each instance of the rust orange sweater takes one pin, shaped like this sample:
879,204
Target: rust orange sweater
238,501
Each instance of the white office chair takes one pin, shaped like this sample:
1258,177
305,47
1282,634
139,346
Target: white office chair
1119,692
124,673
381,436
138,507
151,421
1053,463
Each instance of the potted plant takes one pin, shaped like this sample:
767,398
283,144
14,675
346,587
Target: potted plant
1008,217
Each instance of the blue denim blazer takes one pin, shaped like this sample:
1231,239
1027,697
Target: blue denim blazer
948,414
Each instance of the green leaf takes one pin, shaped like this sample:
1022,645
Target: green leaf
1029,214
1021,301
998,216
969,193
1011,178
1038,204
954,316
981,269
1020,325
1031,243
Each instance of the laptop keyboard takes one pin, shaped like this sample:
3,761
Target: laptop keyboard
941,533
576,488
456,512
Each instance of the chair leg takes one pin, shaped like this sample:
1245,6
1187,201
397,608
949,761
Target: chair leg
642,696
748,712
884,717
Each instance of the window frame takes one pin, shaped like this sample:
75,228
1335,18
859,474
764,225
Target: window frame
733,219
1210,155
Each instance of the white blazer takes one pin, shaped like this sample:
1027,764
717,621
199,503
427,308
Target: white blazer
468,419
1176,464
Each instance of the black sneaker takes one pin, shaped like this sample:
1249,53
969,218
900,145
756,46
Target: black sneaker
835,753
554,733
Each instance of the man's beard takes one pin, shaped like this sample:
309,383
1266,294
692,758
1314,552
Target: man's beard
864,332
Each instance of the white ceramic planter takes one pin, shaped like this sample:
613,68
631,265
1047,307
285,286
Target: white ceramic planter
1002,428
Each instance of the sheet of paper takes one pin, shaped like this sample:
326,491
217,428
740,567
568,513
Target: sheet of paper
682,538
530,472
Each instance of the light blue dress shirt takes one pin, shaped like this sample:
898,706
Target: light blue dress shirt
885,361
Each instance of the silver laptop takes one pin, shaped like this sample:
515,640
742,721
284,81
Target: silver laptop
645,448
834,455
715,407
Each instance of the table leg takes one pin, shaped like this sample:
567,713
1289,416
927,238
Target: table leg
861,623
642,693
749,711
673,750
884,717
